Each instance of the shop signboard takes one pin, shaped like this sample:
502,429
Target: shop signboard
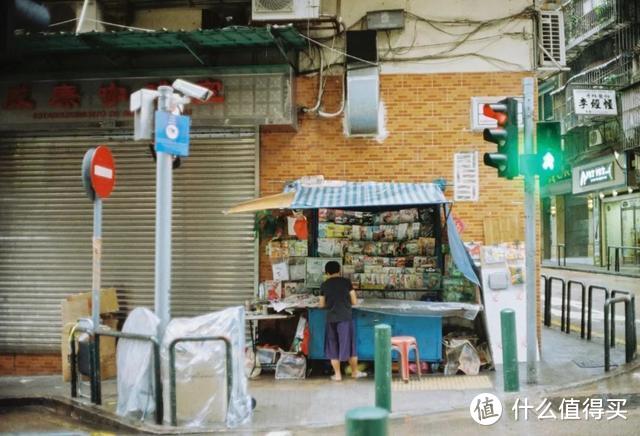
598,175
594,102
239,98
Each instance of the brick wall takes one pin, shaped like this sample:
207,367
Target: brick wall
30,364
427,120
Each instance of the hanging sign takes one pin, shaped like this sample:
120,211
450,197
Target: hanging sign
172,133
594,102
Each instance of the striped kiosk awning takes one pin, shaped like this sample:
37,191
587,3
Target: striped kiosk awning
339,194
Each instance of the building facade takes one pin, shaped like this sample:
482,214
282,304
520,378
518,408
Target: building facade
433,71
591,205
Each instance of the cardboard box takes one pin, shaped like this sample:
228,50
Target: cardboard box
78,306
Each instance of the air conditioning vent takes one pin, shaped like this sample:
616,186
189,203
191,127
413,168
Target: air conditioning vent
551,37
281,10
273,5
595,138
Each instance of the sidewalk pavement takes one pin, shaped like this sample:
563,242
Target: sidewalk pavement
317,405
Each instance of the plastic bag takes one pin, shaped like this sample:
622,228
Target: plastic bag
202,394
135,365
291,366
461,355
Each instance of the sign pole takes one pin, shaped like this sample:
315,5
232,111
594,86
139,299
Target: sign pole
530,234
164,188
97,261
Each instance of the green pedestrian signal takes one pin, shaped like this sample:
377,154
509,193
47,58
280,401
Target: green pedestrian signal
549,158
548,162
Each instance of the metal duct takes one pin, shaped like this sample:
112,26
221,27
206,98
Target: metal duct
363,100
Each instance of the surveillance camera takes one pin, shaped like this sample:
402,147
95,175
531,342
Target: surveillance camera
192,90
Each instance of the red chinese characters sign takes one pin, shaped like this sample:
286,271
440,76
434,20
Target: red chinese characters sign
19,98
112,94
65,97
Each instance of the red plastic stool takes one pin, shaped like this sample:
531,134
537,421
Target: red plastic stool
403,345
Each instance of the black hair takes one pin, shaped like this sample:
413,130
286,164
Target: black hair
332,267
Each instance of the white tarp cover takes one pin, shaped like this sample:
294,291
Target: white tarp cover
135,366
201,391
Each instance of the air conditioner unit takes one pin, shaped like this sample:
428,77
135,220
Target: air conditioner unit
279,10
595,138
551,39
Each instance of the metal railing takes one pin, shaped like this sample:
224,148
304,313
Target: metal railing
618,249
564,253
629,323
94,364
580,27
616,296
568,317
172,369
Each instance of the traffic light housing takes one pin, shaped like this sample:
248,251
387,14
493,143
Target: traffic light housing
549,157
505,136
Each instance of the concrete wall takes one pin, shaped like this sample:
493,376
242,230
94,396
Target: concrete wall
435,38
171,19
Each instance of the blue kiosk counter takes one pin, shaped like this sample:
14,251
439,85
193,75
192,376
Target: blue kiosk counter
422,320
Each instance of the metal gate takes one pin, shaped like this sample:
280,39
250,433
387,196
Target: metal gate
46,229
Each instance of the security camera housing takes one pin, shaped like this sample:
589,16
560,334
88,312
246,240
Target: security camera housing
192,90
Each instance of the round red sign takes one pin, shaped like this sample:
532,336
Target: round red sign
103,171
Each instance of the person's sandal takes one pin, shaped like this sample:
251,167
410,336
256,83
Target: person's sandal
334,378
359,374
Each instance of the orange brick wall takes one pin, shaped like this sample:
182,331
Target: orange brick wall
427,121
30,364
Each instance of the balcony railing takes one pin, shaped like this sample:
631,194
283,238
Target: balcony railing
582,27
630,106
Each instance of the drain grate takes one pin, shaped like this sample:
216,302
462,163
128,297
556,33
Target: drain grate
438,383
590,363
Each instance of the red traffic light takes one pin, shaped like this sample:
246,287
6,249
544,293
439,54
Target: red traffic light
497,111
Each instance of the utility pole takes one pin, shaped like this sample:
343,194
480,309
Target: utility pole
164,190
530,234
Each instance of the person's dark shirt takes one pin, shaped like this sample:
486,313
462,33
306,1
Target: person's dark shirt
335,291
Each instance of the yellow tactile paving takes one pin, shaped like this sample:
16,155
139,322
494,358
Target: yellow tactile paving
436,383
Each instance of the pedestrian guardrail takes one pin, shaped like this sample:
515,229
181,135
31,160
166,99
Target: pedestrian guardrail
547,301
583,288
94,364
629,323
590,304
172,368
564,254
618,250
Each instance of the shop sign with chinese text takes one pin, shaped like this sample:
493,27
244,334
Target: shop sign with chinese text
594,102
238,99
598,175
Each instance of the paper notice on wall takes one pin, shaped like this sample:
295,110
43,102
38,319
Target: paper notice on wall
465,185
280,271
503,286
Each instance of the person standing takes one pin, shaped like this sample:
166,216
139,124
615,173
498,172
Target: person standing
338,297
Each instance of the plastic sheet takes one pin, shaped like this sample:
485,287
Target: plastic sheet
291,366
461,355
201,375
410,307
135,366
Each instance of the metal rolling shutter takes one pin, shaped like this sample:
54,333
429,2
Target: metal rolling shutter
46,230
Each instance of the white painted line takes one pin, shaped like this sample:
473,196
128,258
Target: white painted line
101,171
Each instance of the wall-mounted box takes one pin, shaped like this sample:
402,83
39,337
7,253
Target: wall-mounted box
385,20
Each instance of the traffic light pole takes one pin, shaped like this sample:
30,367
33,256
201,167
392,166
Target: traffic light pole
530,234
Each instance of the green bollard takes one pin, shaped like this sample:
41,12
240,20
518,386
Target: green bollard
509,350
367,421
382,366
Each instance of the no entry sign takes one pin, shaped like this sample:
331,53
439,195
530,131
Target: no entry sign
99,172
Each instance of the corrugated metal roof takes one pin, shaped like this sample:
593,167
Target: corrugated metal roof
225,38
